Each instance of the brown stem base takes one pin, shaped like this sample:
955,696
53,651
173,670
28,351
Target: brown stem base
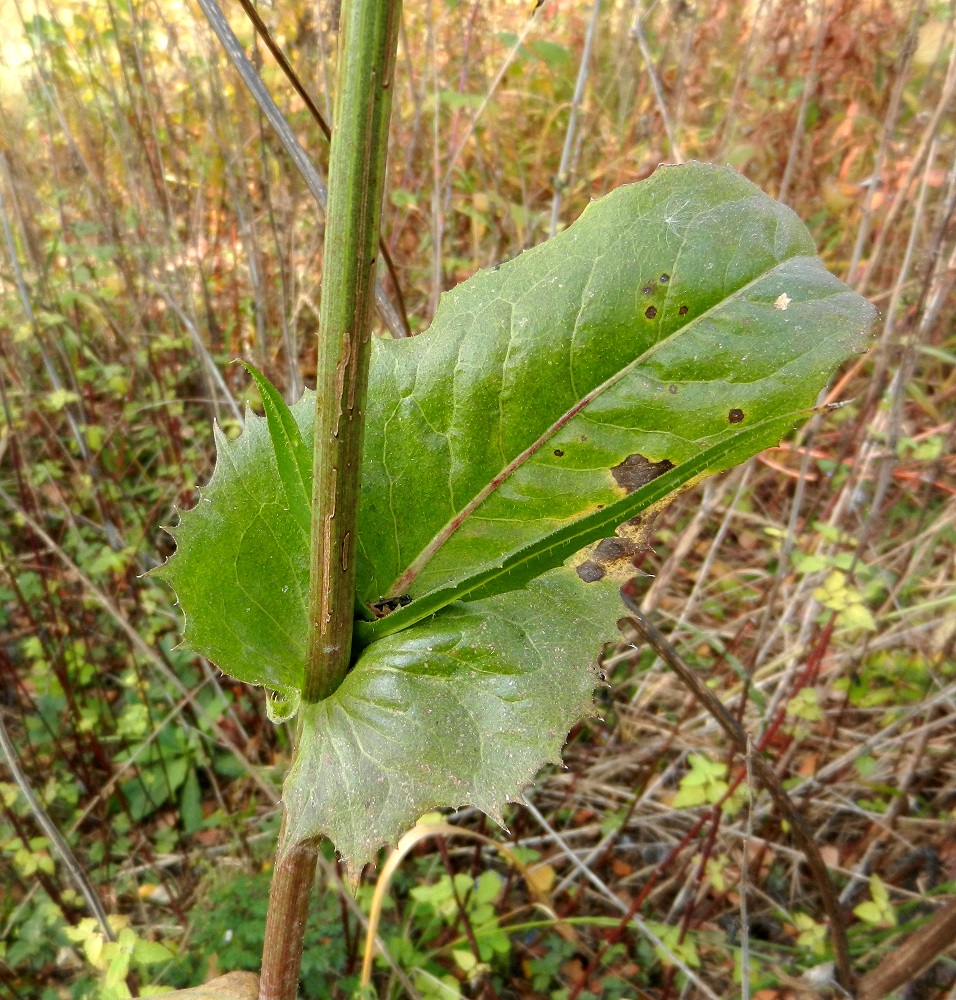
292,882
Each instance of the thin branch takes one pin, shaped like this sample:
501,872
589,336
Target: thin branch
569,853
53,834
252,80
809,90
902,197
638,629
637,33
263,32
486,100
903,64
560,182
139,643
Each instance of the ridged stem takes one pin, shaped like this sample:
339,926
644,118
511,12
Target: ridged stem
367,46
368,40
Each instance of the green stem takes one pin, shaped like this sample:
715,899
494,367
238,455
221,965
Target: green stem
368,42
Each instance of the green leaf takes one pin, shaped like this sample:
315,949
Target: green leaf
879,910
293,459
463,709
560,544
674,314
679,327
151,953
551,53
241,566
487,888
190,803
857,617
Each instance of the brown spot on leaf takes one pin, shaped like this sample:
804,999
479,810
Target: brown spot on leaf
673,390
590,571
636,471
611,549
682,311
558,453
735,416
650,312
665,278
648,289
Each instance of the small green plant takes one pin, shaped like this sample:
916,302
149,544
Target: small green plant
229,922
438,910
811,935
479,895
684,946
116,959
877,910
706,783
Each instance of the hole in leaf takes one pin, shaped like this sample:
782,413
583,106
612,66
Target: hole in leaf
383,608
650,312
682,311
636,471
735,416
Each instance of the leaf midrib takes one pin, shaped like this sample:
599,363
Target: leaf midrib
404,582
563,541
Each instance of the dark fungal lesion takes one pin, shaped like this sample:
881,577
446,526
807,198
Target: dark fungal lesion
616,557
637,471
605,555
735,416
590,571
650,312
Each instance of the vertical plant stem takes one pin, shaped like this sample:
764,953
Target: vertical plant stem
289,893
368,44
369,36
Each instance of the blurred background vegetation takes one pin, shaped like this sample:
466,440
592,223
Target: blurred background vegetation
153,230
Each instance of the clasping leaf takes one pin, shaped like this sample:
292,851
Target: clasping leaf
514,455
